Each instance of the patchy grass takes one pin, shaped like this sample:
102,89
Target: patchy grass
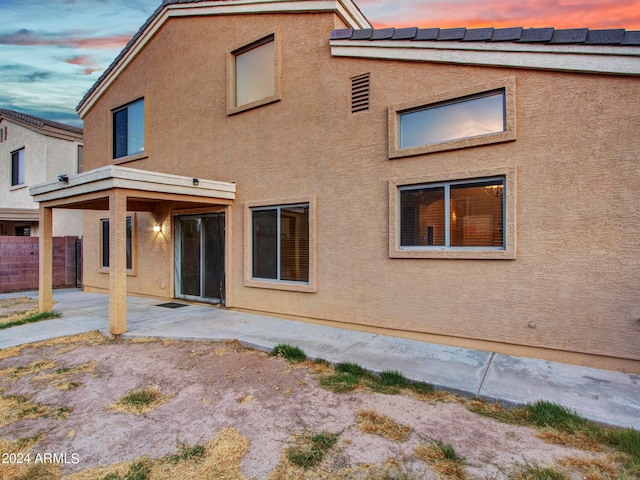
31,369
310,450
340,382
591,468
18,407
536,472
442,457
218,459
187,452
22,446
291,353
390,382
26,317
351,368
371,422
560,425
63,344
141,400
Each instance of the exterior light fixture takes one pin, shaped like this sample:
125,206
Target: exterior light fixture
157,228
196,182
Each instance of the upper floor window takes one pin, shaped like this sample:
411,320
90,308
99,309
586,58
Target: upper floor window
254,78
18,167
128,130
79,159
475,116
461,118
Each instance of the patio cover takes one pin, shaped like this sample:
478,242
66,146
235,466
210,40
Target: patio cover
118,190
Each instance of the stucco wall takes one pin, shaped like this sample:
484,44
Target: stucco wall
45,158
574,285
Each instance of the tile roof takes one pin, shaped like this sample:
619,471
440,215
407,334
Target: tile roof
39,122
549,36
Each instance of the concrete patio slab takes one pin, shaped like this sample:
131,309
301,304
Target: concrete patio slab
601,395
317,341
453,368
609,397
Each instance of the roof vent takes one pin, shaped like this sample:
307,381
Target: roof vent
360,92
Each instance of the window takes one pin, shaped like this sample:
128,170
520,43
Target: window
23,231
475,116
104,259
128,130
80,159
280,243
467,214
18,167
462,118
254,74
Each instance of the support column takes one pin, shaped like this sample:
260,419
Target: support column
117,263
45,260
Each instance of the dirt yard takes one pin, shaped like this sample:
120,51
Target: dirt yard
222,411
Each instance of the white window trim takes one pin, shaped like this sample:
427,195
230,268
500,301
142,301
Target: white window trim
509,133
232,109
249,280
507,252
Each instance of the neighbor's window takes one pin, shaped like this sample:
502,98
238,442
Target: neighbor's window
18,167
280,243
104,261
462,118
450,215
128,130
80,159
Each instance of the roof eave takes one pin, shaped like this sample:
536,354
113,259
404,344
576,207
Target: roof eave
618,60
345,9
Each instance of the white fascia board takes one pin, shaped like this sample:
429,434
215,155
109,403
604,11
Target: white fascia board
345,9
109,177
579,58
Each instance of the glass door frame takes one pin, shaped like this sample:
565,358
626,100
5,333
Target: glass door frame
178,257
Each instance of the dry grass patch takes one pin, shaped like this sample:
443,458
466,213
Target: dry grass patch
142,400
371,422
19,407
579,440
605,468
31,369
443,459
218,460
22,447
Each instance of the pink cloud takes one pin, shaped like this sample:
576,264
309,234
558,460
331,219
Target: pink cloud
504,13
28,38
80,60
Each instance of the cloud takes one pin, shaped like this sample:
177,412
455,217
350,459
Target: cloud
22,74
85,61
24,37
504,13
79,60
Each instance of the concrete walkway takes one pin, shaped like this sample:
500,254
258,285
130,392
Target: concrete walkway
609,397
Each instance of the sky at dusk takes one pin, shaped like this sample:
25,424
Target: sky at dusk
52,51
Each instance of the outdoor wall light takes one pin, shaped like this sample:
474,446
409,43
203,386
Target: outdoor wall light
157,227
196,182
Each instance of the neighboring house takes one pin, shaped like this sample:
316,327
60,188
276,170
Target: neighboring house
35,150
472,187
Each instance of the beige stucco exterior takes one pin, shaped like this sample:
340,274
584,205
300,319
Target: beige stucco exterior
49,152
569,287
